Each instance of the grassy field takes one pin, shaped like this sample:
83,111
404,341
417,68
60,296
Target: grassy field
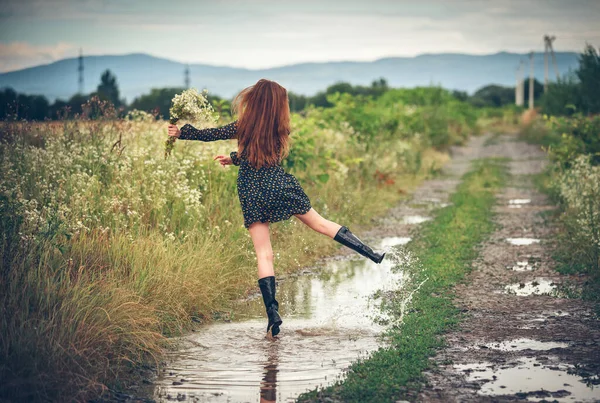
108,248
443,252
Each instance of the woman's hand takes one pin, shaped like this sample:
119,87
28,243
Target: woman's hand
174,131
223,160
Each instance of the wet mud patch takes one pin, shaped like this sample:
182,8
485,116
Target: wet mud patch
479,363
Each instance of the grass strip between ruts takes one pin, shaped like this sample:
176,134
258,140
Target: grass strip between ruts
445,248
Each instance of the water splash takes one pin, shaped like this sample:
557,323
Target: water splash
328,323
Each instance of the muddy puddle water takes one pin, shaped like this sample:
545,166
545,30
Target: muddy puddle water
531,380
327,324
539,286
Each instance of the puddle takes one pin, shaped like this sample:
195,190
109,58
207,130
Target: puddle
538,286
522,241
519,202
526,344
522,266
415,219
433,200
327,324
514,206
531,380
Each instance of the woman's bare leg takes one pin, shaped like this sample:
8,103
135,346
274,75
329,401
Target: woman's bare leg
259,232
345,237
319,224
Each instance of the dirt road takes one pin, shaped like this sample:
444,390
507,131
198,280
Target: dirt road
521,339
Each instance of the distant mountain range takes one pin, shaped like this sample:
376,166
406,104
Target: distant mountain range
138,73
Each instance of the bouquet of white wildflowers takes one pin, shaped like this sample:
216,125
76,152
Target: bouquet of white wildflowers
191,106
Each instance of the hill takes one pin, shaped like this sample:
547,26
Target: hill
138,73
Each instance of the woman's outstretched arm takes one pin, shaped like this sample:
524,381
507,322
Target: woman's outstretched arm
189,132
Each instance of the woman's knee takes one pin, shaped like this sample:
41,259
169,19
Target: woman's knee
265,255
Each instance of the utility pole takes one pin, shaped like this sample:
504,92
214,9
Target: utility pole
520,85
186,76
80,70
531,78
549,49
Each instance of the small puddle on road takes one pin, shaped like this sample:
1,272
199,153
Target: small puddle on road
519,202
415,219
327,324
538,286
531,380
526,344
522,266
522,241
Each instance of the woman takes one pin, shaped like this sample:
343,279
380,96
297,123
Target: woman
267,193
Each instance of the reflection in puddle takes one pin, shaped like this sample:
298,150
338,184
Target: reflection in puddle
415,219
532,380
522,241
519,201
526,344
536,287
327,324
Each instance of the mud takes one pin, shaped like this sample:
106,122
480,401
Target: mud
520,340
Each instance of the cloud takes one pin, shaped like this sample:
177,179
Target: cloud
19,55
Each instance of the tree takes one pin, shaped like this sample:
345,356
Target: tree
157,101
108,90
563,96
21,106
498,95
589,76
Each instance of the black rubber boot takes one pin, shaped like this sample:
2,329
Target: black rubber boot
267,288
347,238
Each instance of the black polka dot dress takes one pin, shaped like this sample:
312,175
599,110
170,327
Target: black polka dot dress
267,194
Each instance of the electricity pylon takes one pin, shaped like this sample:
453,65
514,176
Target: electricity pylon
549,49
186,76
80,70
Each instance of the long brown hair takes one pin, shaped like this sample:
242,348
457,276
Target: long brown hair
263,126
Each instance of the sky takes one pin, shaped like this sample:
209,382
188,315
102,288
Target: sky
265,33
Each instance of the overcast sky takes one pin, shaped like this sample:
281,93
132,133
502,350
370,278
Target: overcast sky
266,33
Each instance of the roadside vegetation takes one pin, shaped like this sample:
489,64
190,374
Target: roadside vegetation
108,248
570,133
441,256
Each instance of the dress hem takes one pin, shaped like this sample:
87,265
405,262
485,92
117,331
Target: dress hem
284,218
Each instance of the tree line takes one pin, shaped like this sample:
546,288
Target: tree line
577,92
